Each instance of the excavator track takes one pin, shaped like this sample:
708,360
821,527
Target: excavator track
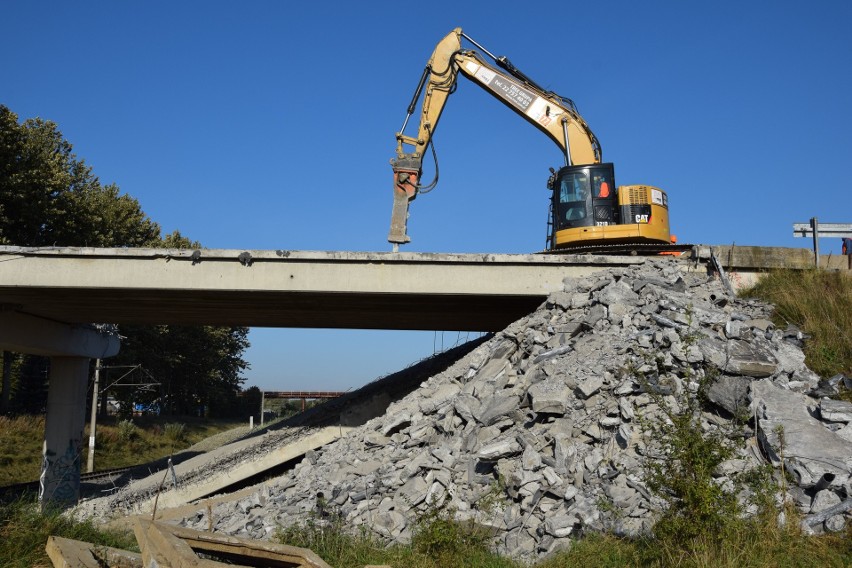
632,249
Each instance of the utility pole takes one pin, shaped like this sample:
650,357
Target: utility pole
91,458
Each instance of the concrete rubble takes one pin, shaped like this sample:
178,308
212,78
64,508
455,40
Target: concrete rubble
538,432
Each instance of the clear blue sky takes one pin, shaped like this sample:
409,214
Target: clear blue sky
269,125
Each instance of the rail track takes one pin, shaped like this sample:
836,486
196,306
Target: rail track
99,477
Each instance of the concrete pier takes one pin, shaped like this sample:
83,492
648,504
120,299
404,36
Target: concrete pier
59,483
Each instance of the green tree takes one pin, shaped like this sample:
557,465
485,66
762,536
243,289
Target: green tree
49,197
197,366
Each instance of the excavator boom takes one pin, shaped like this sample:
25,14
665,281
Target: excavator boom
554,116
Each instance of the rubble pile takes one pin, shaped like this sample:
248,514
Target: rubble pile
536,433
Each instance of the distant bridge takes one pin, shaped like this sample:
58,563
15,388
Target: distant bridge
303,395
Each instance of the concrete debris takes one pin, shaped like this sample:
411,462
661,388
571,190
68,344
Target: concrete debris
532,431
788,430
836,410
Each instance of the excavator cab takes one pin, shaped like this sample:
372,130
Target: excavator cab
584,196
588,209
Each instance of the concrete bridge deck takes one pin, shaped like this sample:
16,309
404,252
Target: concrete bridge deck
420,291
364,290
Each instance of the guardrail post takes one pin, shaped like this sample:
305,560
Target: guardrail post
815,229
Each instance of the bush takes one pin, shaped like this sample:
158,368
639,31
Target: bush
682,473
127,431
438,536
697,505
175,432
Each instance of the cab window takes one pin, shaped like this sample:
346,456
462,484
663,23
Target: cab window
602,186
573,191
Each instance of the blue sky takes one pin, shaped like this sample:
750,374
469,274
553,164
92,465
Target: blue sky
269,125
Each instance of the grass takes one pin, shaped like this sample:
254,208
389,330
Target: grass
437,543
756,543
20,448
819,302
24,531
118,444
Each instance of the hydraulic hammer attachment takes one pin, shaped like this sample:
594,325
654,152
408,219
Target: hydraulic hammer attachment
406,172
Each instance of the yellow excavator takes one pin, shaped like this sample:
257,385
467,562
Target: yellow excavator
587,210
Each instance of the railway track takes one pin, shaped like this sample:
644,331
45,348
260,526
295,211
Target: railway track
98,477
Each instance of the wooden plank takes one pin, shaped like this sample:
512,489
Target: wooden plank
68,553
178,547
282,554
65,553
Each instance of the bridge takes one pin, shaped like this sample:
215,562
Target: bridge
304,396
49,296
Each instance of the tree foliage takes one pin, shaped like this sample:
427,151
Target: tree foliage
198,368
49,197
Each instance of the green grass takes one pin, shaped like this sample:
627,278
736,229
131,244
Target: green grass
819,302
24,531
756,543
118,444
437,543
20,448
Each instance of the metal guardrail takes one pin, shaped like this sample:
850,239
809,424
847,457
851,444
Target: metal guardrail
816,230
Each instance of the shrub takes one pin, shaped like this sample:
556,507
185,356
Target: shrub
682,475
175,432
127,431
697,505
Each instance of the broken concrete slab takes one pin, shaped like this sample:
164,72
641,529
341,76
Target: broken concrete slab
730,393
788,431
836,410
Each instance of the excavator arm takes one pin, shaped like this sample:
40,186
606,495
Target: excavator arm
555,116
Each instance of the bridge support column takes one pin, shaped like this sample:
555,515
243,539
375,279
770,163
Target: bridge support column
63,432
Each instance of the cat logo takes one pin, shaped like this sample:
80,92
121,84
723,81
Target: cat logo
642,218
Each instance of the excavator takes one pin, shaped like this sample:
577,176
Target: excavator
587,211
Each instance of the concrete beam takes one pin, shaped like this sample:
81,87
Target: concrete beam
746,258
360,290
473,292
213,484
746,265
35,335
